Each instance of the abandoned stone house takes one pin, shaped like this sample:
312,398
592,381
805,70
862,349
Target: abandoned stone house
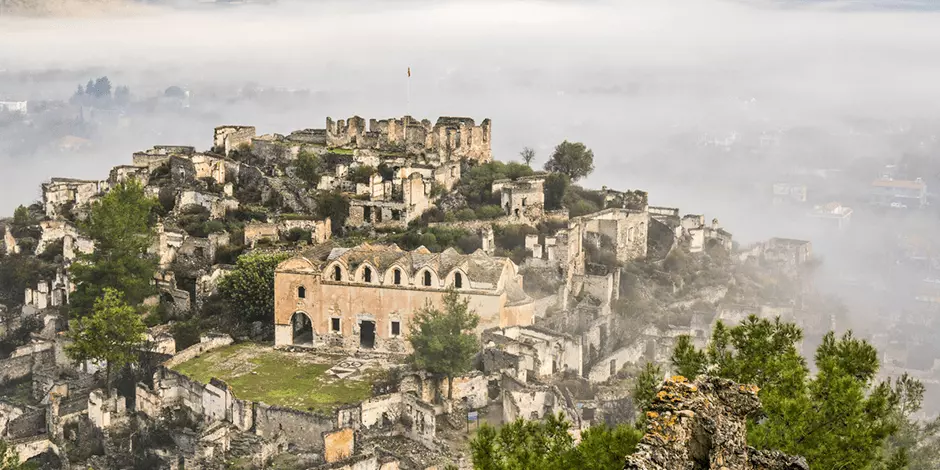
522,199
388,212
229,138
61,195
364,297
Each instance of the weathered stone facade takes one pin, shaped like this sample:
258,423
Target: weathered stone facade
702,425
522,199
229,138
62,194
365,296
451,138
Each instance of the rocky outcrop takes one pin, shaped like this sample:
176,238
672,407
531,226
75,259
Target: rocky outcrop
702,425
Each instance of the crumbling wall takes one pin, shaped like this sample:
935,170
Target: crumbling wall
339,445
228,138
257,231
523,199
702,424
29,424
61,193
206,343
217,206
304,430
15,368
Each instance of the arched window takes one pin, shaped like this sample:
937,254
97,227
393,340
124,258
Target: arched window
367,274
397,276
458,280
427,278
301,292
337,273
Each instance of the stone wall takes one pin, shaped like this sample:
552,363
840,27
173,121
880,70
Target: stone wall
207,343
216,205
228,138
60,193
605,367
29,424
15,368
302,429
339,445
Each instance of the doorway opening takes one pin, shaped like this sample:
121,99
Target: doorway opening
367,334
301,330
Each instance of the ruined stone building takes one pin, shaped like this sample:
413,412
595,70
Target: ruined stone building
229,138
364,297
450,138
522,199
61,195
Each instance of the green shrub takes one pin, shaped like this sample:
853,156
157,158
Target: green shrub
489,212
361,174
465,214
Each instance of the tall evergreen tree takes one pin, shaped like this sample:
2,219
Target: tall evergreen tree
443,340
839,418
119,224
110,336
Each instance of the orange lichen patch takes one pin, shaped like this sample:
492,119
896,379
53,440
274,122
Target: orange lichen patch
652,414
679,379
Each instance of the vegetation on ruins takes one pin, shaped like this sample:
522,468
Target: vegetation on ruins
120,225
476,183
546,444
9,459
556,186
839,418
444,341
257,373
308,167
360,174
573,159
19,272
111,335
335,205
249,288
437,239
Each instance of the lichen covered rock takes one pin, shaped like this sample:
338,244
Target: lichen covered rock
702,425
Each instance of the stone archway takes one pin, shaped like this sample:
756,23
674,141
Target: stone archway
302,333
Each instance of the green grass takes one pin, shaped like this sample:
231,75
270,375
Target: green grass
276,378
340,151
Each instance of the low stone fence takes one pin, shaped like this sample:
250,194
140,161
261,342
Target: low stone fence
206,343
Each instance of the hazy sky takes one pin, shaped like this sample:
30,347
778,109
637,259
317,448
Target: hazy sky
623,77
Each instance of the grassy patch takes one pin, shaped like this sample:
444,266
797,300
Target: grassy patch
339,151
277,378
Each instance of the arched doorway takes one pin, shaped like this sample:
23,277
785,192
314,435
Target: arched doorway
301,330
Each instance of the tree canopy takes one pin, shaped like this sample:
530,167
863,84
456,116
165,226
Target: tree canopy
250,286
119,224
547,445
527,155
572,159
111,335
308,168
443,340
839,418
